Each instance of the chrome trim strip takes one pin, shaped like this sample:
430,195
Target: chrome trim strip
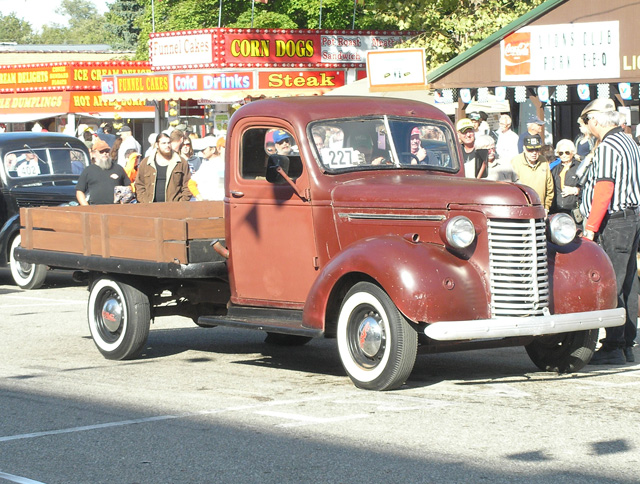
532,326
390,216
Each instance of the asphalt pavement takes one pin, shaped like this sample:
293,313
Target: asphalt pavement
217,405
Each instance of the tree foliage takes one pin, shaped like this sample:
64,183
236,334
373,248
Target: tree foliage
14,29
448,27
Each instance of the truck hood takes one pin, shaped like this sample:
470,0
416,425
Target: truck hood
426,191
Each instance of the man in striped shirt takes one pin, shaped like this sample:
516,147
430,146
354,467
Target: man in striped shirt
610,199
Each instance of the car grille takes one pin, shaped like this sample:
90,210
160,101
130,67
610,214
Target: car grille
35,201
518,265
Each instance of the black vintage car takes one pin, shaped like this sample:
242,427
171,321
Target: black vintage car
36,169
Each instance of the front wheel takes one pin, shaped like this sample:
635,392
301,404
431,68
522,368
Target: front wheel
377,345
119,318
25,275
565,352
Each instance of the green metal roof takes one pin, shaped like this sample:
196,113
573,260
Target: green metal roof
493,39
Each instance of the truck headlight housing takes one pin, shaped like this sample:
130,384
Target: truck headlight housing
460,232
562,229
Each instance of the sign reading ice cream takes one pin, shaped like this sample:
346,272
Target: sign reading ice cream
561,52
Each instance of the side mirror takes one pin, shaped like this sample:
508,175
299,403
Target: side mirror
273,163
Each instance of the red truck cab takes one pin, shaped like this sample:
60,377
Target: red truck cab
376,246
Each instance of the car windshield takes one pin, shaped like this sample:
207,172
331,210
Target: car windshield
44,161
384,142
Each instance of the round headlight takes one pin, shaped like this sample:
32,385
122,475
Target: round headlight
562,229
460,232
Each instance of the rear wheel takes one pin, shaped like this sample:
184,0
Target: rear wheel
377,345
565,352
119,317
25,275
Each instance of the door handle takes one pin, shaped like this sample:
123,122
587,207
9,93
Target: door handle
236,194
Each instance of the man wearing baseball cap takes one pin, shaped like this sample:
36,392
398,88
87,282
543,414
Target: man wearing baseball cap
534,128
475,161
283,142
97,182
533,170
610,199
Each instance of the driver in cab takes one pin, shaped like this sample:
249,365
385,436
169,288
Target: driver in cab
282,140
418,153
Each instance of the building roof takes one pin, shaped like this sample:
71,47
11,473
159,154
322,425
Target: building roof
492,39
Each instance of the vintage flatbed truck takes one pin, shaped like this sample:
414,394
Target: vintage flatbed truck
343,233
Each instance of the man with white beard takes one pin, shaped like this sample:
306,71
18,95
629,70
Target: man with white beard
98,180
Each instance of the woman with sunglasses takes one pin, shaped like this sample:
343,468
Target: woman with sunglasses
186,151
566,180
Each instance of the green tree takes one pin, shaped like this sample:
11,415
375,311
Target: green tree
449,27
14,29
122,22
85,26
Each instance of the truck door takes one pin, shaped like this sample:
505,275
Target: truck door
271,236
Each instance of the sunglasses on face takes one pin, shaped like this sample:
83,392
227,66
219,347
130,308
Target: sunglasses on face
560,153
533,150
286,140
105,151
585,118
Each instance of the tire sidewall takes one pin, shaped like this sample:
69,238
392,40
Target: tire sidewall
96,289
356,297
35,277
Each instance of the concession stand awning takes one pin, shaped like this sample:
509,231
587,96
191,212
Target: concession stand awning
552,61
65,91
221,65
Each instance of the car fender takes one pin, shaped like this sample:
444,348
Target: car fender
582,278
426,282
8,230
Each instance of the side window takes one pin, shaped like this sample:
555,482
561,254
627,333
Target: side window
259,143
26,163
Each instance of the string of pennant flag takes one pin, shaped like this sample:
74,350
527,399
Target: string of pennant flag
520,94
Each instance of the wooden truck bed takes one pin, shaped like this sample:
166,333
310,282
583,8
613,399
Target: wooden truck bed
159,237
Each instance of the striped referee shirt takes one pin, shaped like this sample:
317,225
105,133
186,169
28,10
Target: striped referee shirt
616,159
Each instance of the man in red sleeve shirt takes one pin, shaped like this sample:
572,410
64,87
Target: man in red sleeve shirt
610,200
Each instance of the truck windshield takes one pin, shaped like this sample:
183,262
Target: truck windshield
384,142
44,161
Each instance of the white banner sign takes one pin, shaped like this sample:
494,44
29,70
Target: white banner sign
353,48
561,52
180,50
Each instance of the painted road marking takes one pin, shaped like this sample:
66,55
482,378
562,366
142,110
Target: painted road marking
18,479
301,420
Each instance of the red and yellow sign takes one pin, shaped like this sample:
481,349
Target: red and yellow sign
300,79
67,102
61,76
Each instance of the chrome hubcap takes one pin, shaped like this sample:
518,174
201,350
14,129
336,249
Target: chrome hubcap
370,336
111,314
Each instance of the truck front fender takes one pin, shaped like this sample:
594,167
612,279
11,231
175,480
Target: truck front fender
582,278
425,281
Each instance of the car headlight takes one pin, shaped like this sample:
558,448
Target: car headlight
460,232
562,229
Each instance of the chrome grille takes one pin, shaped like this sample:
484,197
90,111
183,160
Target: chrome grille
518,266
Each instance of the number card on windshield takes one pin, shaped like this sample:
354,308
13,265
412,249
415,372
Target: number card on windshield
339,157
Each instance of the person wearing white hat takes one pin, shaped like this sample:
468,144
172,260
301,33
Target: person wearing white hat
128,143
610,200
207,183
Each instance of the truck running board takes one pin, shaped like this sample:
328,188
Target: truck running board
285,321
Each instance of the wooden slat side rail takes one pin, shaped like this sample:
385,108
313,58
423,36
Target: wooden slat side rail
209,228
86,235
104,235
70,222
57,241
26,220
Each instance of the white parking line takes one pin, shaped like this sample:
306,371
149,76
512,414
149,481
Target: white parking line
18,479
301,420
47,299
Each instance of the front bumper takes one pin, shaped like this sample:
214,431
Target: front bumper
529,326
